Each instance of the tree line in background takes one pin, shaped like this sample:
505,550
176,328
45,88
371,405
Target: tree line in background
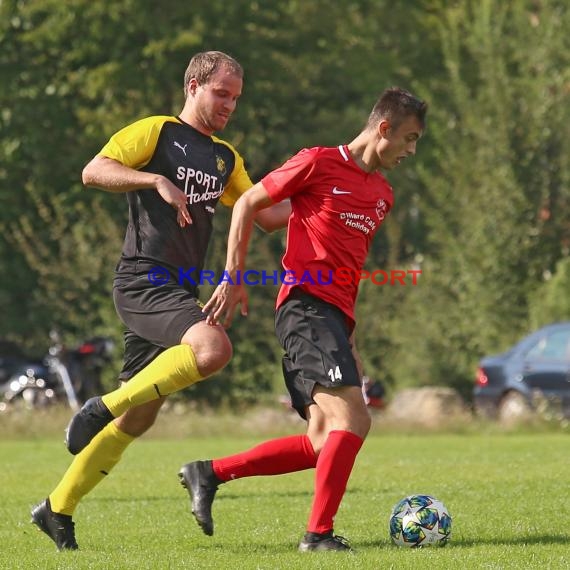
483,210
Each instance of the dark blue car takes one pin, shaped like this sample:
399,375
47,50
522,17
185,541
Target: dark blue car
532,376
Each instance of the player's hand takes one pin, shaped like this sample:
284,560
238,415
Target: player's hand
223,303
172,195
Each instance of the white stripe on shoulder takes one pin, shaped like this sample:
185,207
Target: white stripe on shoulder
343,152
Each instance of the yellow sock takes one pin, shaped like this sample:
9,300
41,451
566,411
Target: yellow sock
89,468
170,371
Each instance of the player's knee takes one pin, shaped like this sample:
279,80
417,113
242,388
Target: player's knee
211,347
357,421
212,358
363,423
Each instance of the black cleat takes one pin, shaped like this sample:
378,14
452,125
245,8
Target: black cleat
86,424
201,483
317,542
60,528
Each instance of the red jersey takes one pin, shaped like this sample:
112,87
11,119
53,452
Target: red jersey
336,209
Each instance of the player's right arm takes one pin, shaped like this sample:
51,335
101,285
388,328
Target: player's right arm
118,166
276,187
110,175
223,302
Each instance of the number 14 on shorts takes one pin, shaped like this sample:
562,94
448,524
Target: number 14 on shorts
335,375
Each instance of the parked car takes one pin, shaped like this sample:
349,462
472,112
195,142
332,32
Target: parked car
533,375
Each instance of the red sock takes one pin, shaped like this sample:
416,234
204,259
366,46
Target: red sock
333,470
283,455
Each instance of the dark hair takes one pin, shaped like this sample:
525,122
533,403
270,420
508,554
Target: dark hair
395,105
203,65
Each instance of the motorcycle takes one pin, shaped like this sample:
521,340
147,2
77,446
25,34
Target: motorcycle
63,375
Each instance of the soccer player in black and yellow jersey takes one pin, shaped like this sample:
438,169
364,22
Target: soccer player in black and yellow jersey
174,172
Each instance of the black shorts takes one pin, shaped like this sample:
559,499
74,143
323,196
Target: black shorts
156,318
315,337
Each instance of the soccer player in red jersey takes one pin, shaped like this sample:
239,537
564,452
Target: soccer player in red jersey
339,199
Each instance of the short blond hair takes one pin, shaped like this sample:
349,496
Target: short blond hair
204,64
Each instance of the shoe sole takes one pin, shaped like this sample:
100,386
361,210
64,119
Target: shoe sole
207,528
303,548
324,546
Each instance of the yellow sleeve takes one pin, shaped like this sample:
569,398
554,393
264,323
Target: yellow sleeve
134,145
239,180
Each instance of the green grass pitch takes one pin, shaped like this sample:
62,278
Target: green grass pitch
507,493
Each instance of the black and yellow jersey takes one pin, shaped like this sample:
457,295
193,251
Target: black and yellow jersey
205,168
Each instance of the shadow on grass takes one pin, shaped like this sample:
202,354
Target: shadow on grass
521,540
543,539
362,545
263,549
223,496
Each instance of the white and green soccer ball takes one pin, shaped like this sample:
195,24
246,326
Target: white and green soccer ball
420,520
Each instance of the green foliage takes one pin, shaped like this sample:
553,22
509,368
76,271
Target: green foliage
494,186
73,259
551,301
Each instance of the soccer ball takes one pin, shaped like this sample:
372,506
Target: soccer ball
420,520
